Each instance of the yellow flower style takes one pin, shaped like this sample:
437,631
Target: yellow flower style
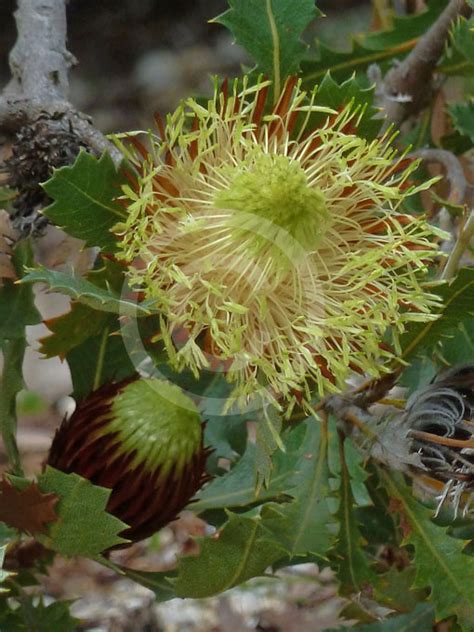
272,246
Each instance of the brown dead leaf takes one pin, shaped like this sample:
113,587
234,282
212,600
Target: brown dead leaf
29,509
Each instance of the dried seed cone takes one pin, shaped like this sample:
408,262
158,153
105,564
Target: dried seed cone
143,439
39,147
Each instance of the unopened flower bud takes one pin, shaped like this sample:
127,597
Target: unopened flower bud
142,438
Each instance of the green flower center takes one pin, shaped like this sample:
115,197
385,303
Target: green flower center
157,421
272,199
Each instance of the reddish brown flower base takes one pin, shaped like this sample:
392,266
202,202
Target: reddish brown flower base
144,498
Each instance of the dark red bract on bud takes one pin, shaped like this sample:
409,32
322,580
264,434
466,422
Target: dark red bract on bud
142,438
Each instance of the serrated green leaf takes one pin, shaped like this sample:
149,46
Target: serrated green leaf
72,329
270,30
459,347
357,474
393,590
82,322
267,442
105,300
374,48
238,487
235,489
462,116
11,620
350,560
29,616
420,372
459,56
226,434
83,526
55,617
242,549
17,308
336,95
406,27
439,559
98,360
457,311
84,199
302,525
420,620
377,524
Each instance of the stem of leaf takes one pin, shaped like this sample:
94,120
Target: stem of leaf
462,242
100,359
276,52
11,382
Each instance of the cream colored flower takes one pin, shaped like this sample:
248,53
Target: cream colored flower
274,248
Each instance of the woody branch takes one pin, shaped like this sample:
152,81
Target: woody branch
39,85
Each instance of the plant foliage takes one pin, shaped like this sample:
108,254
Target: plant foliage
307,480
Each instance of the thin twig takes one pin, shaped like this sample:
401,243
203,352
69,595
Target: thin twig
462,242
406,88
458,189
446,441
374,390
454,171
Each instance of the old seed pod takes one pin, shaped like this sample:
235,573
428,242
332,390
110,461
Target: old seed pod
39,148
440,419
143,439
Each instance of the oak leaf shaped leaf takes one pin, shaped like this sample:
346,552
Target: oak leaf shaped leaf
27,509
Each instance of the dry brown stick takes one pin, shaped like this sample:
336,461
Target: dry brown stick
39,86
406,87
447,441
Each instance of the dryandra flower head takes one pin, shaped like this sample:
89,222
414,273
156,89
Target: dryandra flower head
272,246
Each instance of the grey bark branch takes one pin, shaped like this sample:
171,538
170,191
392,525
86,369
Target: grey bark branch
454,171
40,61
39,64
406,88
